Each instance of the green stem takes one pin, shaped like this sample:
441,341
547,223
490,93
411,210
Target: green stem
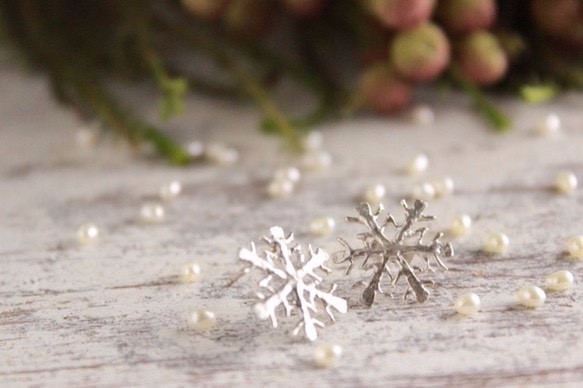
498,120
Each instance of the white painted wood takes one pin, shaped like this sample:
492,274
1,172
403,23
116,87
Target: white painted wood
113,313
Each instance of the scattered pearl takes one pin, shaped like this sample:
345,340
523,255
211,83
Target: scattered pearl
322,226
152,213
560,280
326,355
575,246
496,243
195,149
291,174
549,125
279,188
170,190
87,233
418,164
86,137
375,193
190,272
222,154
202,320
531,296
566,182
443,187
313,140
460,224
468,304
422,115
424,191
315,160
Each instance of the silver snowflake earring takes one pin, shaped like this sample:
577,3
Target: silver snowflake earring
291,281
386,254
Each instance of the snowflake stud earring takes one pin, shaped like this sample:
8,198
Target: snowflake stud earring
388,254
291,281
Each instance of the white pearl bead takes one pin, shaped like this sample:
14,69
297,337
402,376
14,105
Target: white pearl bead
374,194
549,125
424,191
560,280
87,233
313,140
566,182
422,115
279,188
418,164
443,187
291,174
575,246
460,224
202,320
221,154
86,137
326,355
531,296
468,304
195,149
316,160
190,272
170,190
322,226
496,243
152,213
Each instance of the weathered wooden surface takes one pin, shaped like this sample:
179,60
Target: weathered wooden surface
114,313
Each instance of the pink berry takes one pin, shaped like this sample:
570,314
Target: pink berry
561,19
466,15
382,89
402,14
420,54
481,58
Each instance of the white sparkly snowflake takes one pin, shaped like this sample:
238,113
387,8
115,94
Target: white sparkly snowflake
291,282
388,254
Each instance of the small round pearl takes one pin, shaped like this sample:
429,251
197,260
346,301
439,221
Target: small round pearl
560,280
496,243
326,355
322,226
418,164
468,304
443,187
422,115
424,191
202,320
313,140
460,224
152,213
280,188
575,246
316,160
190,272
170,190
87,233
86,137
221,154
566,182
549,125
195,149
291,174
375,193
531,296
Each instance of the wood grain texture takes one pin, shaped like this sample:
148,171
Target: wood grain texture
113,314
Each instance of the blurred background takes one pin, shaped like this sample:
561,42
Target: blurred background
342,57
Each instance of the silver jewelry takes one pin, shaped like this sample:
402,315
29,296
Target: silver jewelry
386,254
291,281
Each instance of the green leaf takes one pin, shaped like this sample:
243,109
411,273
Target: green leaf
538,93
